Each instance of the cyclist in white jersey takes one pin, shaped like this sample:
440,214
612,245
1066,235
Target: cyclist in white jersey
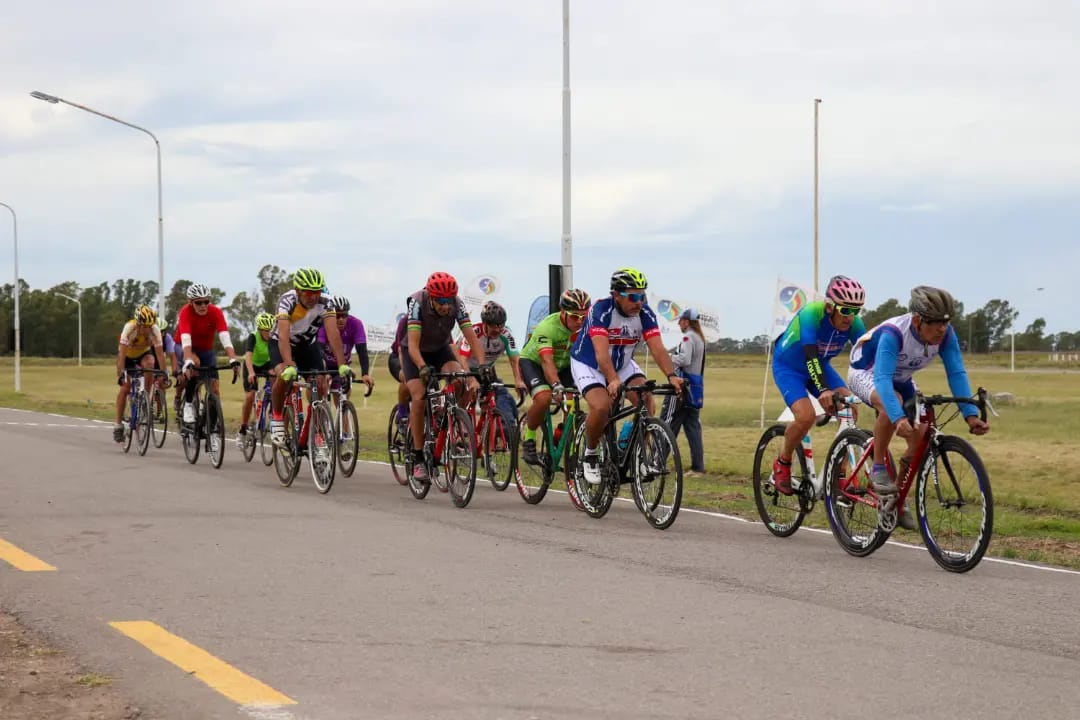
883,362
602,358
496,339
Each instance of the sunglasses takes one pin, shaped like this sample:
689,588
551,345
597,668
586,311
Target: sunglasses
579,316
443,301
633,297
200,302
848,311
933,322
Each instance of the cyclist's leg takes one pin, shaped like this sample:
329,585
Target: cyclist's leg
593,388
121,399
394,366
861,383
793,386
415,387
540,392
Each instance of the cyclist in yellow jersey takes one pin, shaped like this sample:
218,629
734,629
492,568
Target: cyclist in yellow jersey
140,346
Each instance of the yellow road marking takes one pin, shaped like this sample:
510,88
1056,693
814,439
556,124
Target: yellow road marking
218,674
22,560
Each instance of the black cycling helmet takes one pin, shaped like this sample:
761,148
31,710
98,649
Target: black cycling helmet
493,314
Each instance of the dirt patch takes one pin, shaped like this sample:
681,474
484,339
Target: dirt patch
37,681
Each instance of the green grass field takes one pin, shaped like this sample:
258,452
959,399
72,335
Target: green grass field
1036,491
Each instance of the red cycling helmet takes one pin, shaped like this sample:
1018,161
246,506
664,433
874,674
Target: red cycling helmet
441,285
842,290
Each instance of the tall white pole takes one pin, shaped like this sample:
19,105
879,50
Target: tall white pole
161,220
817,103
18,338
567,238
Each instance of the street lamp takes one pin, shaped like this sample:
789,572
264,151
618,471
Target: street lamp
817,104
18,340
161,222
567,237
79,304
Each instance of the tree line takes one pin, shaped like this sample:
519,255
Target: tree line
49,322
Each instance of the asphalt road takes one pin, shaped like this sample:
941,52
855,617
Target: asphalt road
366,603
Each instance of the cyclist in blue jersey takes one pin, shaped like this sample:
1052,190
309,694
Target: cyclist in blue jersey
883,362
602,358
800,364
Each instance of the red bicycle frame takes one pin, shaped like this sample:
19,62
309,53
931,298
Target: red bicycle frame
849,484
489,412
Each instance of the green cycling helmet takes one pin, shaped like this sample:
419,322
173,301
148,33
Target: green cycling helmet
628,278
309,279
264,321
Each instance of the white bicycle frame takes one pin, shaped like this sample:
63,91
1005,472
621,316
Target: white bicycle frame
845,418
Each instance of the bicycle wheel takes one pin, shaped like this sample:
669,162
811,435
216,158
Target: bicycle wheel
143,423
248,442
954,504
498,450
851,508
161,417
321,447
287,456
533,480
215,430
189,434
348,438
459,457
595,500
397,447
782,514
658,474
266,448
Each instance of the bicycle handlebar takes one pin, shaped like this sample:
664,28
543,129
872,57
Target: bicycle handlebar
980,400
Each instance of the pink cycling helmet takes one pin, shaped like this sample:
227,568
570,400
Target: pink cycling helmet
842,290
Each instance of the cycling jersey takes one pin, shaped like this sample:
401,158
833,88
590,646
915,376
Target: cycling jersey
435,330
200,328
304,324
352,336
894,352
169,343
550,337
136,344
812,326
259,349
493,347
623,332
399,334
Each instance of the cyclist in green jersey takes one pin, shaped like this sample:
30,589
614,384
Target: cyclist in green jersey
545,362
256,360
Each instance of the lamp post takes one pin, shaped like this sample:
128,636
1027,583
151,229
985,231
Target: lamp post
18,339
567,238
79,304
161,222
817,104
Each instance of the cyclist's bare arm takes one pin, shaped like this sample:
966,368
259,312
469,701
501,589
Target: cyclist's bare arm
414,347
284,346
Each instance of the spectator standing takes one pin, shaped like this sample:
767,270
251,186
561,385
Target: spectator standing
689,361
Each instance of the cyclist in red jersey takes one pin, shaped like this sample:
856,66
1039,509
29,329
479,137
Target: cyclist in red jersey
196,324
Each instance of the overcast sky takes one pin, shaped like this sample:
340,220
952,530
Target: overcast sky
380,141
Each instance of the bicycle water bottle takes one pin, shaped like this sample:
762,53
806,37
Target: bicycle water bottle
558,433
624,434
